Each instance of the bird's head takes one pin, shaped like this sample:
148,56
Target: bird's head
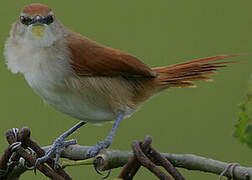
37,25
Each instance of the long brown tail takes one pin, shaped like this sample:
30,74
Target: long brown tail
181,75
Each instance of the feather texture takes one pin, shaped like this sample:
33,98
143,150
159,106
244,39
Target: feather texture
178,75
36,9
92,59
125,81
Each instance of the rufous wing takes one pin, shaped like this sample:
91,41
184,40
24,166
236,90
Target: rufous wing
92,59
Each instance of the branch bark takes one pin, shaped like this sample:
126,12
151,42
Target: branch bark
110,159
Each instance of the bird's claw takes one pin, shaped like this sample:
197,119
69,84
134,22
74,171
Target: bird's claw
93,151
55,150
58,146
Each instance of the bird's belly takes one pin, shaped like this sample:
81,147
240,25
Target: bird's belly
81,107
84,106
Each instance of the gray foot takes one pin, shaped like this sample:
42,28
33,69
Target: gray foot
108,141
58,145
55,150
93,151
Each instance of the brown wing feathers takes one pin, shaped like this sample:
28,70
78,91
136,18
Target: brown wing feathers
92,59
178,75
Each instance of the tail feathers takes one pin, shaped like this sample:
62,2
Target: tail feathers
181,75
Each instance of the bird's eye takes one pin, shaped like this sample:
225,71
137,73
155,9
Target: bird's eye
25,20
48,19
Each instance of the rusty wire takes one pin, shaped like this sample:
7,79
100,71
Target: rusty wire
21,141
145,155
230,166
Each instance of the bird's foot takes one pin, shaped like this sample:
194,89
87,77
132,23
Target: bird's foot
55,150
58,145
93,151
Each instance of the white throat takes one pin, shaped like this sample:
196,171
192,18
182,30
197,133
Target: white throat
29,58
47,40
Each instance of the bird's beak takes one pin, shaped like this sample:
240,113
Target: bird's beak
38,31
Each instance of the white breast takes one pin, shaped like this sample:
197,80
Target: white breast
47,70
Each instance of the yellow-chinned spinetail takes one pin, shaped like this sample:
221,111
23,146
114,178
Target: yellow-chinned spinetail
86,80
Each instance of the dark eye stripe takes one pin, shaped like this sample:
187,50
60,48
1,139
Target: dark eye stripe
28,21
25,20
48,19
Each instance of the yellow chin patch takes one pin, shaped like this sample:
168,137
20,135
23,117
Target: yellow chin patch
38,32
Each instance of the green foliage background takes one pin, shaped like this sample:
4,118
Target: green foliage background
199,121
243,129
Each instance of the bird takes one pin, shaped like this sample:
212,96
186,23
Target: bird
87,80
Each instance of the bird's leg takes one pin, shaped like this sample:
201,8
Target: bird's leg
107,142
58,145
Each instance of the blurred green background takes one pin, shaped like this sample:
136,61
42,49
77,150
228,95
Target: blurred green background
190,120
